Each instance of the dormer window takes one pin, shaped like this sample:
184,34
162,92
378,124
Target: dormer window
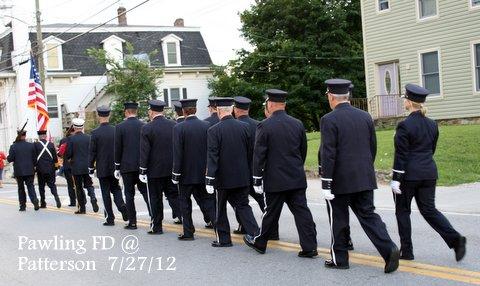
113,46
53,56
171,50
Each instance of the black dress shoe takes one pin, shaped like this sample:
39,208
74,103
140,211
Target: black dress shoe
392,262
274,237
36,206
185,238
130,226
72,205
124,215
218,244
406,255
308,254
350,245
250,242
59,203
94,205
330,264
80,212
109,223
209,225
152,232
460,248
239,230
43,205
22,209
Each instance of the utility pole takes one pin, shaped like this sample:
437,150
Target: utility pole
41,64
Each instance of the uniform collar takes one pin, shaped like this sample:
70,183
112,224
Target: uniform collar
342,105
227,117
243,116
158,117
104,123
279,112
181,117
191,117
130,118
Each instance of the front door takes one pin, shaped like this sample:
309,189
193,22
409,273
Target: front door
389,90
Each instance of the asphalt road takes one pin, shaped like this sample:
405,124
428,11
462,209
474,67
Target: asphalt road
197,263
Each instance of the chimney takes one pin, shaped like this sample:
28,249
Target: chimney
122,16
179,23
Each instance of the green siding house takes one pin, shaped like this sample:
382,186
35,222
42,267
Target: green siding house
434,43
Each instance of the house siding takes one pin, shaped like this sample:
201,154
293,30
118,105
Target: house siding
397,35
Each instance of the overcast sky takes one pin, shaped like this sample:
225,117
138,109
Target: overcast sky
218,19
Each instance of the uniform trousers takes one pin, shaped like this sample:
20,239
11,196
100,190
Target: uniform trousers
156,188
424,193
84,182
238,199
110,186
296,201
70,185
198,197
131,179
22,196
205,200
362,206
49,180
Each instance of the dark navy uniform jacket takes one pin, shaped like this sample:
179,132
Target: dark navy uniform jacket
127,144
252,126
280,152
77,152
156,147
190,150
65,164
348,150
415,143
229,153
213,119
24,158
46,163
101,150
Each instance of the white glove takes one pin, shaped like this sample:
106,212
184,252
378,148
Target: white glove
395,187
327,194
92,175
117,174
258,189
174,182
143,178
210,189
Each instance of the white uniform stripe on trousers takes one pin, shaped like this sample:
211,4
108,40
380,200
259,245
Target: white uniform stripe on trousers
261,225
105,214
216,214
331,231
150,204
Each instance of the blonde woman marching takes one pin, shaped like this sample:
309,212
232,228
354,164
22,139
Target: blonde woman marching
415,175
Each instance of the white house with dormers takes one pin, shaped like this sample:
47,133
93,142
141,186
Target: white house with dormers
74,81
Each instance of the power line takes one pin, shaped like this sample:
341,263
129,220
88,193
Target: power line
81,34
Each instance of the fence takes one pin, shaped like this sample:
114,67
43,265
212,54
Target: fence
386,106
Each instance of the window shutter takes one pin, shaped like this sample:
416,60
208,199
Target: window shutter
184,91
165,96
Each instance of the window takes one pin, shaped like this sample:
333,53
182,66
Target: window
383,5
52,57
427,8
52,105
430,72
174,94
172,53
476,52
171,50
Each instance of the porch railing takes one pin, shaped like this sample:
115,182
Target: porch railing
386,106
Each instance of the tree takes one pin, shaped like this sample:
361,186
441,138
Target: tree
133,80
298,44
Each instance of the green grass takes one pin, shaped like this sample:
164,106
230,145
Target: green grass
457,156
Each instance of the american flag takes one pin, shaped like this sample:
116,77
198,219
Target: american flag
36,98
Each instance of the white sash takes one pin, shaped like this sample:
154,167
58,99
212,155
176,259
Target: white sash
45,148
